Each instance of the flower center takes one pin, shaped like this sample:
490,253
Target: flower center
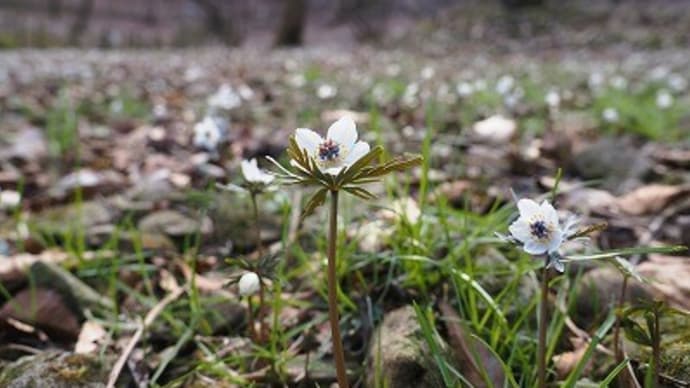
329,150
539,229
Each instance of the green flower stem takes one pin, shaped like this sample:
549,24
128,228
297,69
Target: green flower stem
250,309
541,346
338,353
617,345
259,248
617,349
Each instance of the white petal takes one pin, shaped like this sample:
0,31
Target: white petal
556,241
549,213
520,230
335,170
249,284
343,132
534,247
528,208
249,169
308,140
358,151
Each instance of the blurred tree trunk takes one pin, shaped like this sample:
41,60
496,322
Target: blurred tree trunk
81,21
291,31
55,8
218,22
522,3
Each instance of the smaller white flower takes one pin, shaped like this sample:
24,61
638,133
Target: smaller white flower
537,228
479,85
610,115
428,72
326,91
497,129
505,84
595,81
677,82
340,148
207,134
664,99
9,199
225,98
619,82
253,174
249,284
552,99
464,89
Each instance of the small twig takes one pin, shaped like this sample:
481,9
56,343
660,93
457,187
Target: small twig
148,320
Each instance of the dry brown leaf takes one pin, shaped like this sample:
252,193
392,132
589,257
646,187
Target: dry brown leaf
669,276
565,362
471,355
46,310
650,199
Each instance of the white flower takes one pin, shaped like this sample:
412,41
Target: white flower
207,134
610,115
340,148
253,174
664,99
464,89
677,82
505,84
479,85
249,284
428,72
619,82
537,228
496,129
595,81
9,199
326,91
552,99
225,98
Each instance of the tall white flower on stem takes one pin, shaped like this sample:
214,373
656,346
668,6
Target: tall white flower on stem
253,174
537,228
340,148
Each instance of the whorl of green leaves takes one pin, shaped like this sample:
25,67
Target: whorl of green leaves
306,172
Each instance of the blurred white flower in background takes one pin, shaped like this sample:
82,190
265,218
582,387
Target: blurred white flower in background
207,134
326,91
664,99
297,80
10,199
246,92
659,73
427,72
610,115
249,284
553,99
595,81
193,73
619,82
464,89
497,129
677,83
505,84
253,174
479,85
225,98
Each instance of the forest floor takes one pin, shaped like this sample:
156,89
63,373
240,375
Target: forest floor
114,232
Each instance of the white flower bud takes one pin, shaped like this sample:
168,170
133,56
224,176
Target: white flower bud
249,284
